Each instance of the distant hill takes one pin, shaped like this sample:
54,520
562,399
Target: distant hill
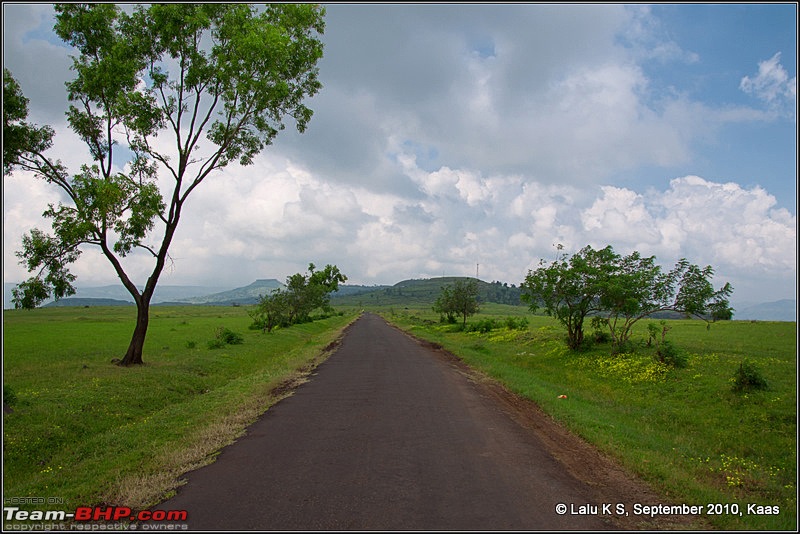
165,293
424,291
249,294
86,302
780,310
413,292
350,290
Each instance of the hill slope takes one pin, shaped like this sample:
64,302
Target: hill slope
249,294
425,292
780,310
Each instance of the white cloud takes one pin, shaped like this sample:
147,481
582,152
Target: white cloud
727,225
448,137
773,85
620,216
649,40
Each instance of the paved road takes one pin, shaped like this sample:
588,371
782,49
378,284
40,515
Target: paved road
387,435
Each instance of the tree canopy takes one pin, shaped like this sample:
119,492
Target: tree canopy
212,82
621,290
303,294
458,299
569,289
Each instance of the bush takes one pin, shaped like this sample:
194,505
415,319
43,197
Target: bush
670,355
224,336
229,336
484,326
601,336
258,324
9,397
623,347
516,323
748,377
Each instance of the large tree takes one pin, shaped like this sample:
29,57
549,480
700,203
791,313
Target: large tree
569,288
19,137
213,82
638,288
621,290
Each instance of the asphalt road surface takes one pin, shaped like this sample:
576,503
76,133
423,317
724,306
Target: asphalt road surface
390,434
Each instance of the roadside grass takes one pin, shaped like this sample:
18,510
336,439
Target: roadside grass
684,430
84,431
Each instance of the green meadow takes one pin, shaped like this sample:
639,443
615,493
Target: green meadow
83,431
683,430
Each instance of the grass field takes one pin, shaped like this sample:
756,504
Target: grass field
84,431
683,430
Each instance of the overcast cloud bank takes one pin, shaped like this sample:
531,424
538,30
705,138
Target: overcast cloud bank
451,136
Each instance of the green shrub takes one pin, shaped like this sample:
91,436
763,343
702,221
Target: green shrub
258,324
229,336
623,347
484,326
516,323
447,319
9,397
669,354
601,336
748,377
225,336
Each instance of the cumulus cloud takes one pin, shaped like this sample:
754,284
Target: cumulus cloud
448,137
728,225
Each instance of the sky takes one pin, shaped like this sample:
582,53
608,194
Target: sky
456,139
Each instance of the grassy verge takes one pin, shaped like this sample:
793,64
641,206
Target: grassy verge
84,431
684,430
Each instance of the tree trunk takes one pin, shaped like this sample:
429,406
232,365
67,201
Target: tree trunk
134,354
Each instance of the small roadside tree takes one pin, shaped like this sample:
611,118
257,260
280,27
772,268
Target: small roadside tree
444,305
458,299
303,294
215,80
271,311
569,289
306,293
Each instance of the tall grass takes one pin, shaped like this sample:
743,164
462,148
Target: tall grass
684,430
84,431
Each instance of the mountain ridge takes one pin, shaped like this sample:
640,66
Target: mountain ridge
416,291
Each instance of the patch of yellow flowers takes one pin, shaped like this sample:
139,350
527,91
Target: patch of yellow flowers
628,368
740,471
